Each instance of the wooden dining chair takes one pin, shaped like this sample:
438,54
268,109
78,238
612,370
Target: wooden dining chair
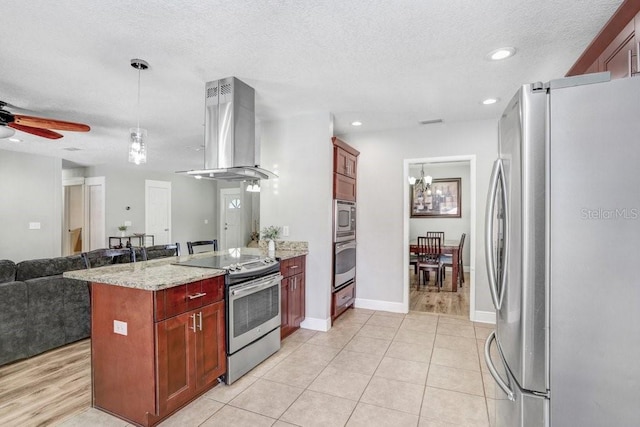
429,253
447,261
160,251
439,234
191,245
102,257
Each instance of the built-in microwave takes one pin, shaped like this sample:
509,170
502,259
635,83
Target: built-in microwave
344,221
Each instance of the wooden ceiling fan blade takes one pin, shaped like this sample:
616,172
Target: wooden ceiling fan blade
44,123
45,133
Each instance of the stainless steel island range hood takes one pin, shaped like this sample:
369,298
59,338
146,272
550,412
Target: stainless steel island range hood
230,148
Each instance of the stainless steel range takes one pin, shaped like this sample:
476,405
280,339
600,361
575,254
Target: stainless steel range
252,295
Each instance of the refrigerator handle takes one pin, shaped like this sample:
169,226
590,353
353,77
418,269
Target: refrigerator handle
495,180
492,369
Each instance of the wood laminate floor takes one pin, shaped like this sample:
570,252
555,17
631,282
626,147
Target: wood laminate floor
47,388
428,299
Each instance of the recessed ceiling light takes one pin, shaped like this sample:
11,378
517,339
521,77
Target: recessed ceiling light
356,123
502,53
490,101
15,140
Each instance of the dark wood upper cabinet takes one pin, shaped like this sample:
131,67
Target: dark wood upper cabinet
345,170
615,48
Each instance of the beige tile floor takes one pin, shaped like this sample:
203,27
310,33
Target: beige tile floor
371,369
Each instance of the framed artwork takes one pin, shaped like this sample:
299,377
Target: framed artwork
439,200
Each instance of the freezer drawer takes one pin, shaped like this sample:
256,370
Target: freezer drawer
513,407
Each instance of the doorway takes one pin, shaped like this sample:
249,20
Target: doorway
72,216
442,167
231,215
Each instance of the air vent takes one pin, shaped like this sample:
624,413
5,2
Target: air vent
72,149
430,122
225,89
212,92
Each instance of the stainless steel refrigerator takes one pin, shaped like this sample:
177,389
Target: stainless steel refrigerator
563,255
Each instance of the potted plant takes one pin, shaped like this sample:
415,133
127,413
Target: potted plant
271,233
123,229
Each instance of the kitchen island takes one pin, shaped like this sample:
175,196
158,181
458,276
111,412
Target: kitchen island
157,334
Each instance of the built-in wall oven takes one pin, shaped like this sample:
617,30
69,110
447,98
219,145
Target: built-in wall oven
252,295
344,221
344,264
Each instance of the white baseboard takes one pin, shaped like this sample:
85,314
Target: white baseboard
372,304
316,324
485,317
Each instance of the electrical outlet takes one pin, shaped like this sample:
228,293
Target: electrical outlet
206,221
120,327
34,226
285,230
127,223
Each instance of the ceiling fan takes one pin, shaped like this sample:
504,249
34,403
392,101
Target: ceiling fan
39,126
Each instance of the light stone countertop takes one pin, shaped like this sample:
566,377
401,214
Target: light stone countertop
162,273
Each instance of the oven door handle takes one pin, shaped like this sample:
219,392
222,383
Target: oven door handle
257,287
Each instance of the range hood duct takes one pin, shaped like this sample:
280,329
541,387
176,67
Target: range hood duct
230,149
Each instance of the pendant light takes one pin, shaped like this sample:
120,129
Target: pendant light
137,135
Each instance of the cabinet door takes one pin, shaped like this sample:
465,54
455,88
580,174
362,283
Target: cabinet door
297,300
176,362
615,57
344,188
285,307
209,340
345,163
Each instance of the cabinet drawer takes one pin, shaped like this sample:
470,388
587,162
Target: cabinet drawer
291,266
344,298
179,299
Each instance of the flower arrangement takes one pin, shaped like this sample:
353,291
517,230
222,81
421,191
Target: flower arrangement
122,227
271,233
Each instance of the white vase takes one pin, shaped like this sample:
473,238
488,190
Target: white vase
122,234
272,246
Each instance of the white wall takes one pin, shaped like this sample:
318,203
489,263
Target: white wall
192,202
381,187
30,191
299,150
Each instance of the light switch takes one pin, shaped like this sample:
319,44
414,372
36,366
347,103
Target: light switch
206,221
127,223
120,327
285,230
34,226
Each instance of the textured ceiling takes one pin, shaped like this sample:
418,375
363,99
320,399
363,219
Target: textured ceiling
387,63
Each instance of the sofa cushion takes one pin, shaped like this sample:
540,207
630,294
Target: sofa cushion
13,322
34,268
45,314
77,310
7,271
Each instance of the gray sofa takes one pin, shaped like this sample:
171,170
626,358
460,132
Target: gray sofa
39,309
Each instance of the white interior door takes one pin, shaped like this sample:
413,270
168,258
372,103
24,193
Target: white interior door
157,211
94,215
231,208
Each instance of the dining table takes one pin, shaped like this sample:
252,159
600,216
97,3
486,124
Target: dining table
448,247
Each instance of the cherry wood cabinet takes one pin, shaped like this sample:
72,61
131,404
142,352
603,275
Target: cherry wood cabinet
152,352
344,188
190,351
292,295
615,48
345,170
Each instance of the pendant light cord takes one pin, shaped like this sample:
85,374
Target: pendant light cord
138,97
